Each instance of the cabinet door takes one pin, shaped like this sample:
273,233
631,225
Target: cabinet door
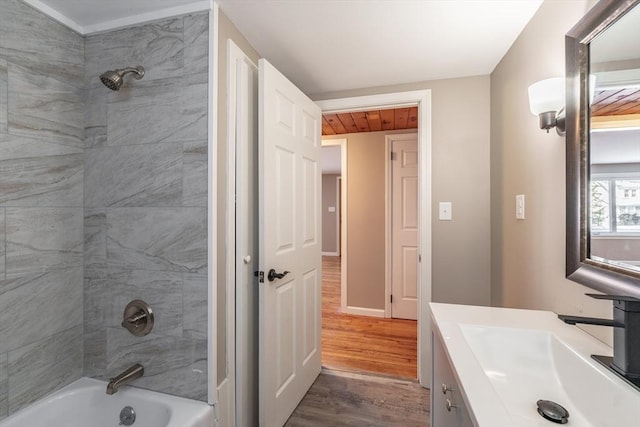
442,377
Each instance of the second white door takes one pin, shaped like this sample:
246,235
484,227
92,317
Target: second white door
404,226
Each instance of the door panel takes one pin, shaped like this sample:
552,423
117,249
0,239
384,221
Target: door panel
289,307
409,264
409,203
284,200
285,308
310,202
310,315
404,228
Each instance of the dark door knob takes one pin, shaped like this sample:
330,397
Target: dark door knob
272,275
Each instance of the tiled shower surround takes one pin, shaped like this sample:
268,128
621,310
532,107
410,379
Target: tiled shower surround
103,199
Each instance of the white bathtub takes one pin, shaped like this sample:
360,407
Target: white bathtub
84,403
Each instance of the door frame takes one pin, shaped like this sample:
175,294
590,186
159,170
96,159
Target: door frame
212,206
402,99
388,223
340,191
342,245
234,411
339,210
343,152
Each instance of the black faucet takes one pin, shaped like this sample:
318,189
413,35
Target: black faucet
626,336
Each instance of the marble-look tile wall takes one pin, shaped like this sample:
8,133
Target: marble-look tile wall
41,205
145,223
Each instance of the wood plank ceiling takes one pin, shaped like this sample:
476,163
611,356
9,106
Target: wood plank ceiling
616,109
370,121
616,102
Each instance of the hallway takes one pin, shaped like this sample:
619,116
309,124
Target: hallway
360,343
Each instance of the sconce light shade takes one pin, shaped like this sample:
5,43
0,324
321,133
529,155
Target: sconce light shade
546,95
546,100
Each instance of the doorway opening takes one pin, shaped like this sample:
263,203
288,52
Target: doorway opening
373,335
421,101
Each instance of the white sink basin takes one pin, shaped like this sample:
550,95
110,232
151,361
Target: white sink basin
506,360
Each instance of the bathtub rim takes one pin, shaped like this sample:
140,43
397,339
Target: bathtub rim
198,413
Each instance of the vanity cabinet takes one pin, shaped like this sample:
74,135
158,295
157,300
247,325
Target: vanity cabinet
447,406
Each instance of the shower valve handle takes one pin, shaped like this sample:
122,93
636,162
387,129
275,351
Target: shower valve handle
138,318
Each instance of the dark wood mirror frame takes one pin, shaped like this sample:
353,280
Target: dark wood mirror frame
600,276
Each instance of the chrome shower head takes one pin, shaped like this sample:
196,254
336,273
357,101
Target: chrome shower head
113,79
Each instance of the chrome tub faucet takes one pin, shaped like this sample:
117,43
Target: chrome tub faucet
136,371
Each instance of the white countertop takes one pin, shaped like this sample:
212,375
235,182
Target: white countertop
496,398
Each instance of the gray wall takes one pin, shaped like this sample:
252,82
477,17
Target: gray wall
528,256
330,219
41,187
365,220
460,159
145,199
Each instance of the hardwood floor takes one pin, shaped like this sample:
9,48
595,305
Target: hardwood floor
340,399
361,343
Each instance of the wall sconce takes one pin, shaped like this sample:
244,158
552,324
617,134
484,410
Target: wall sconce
546,100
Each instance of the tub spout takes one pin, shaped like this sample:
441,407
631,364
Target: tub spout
136,371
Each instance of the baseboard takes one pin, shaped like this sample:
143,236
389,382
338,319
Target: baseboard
330,254
223,411
364,311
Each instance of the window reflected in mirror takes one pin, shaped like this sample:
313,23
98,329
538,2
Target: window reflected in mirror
614,196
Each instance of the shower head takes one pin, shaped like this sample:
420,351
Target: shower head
113,79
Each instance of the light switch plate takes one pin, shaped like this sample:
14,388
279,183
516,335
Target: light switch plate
520,206
446,213
332,208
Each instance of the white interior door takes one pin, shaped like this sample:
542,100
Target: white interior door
404,227
290,241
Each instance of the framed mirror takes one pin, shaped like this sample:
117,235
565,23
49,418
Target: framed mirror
603,148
